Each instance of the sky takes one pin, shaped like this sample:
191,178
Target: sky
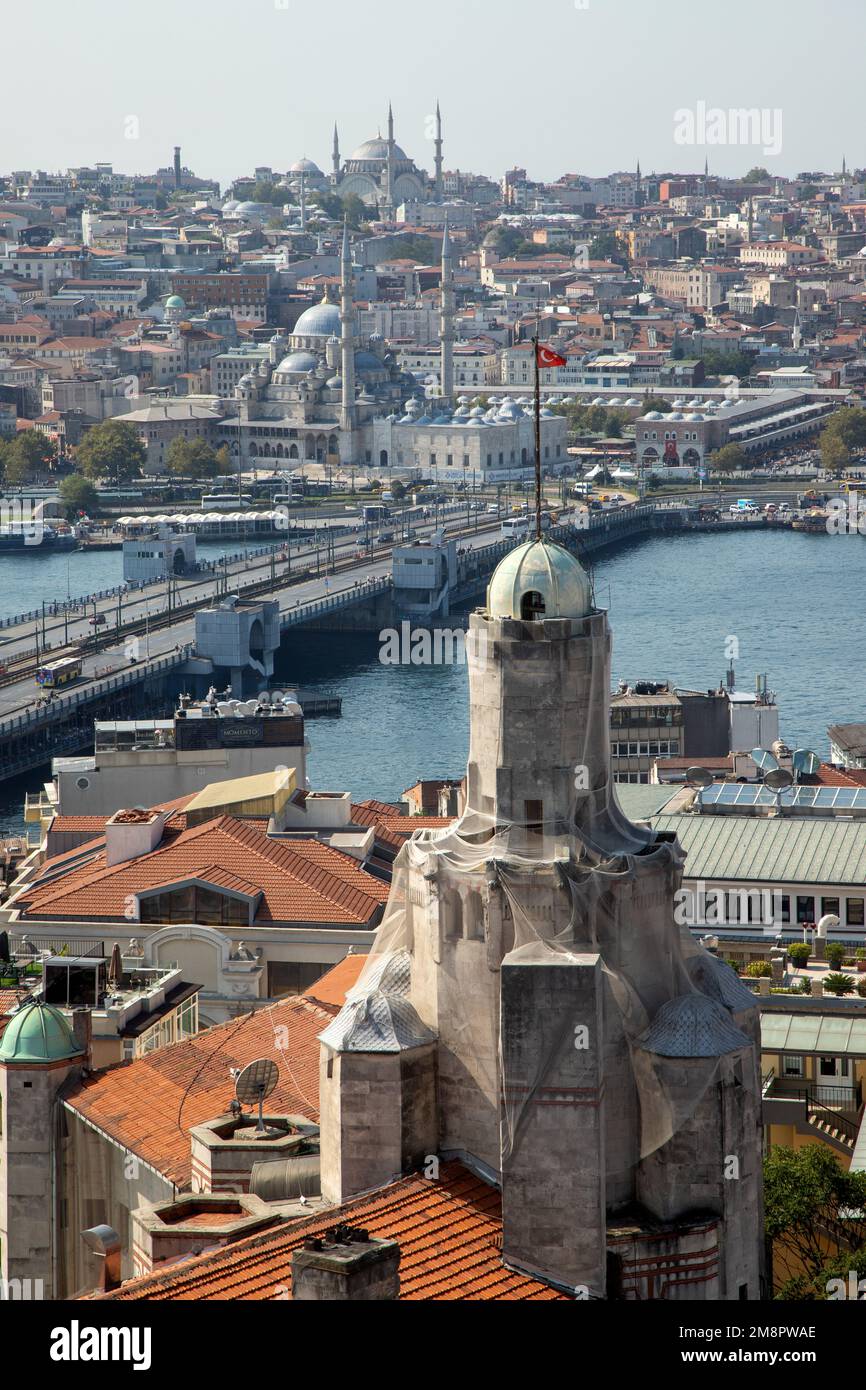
554,86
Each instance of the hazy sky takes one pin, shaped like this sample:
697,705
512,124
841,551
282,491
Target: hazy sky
554,85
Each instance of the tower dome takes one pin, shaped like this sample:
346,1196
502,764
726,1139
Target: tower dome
539,580
320,321
38,1033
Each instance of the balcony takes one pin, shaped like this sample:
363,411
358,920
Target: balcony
831,1112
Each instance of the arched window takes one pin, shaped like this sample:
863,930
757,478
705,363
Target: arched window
532,607
383,459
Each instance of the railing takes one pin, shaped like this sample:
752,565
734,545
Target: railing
55,711
834,1119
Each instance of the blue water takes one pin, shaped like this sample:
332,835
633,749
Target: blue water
794,603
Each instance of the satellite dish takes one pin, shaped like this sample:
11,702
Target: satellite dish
700,778
764,760
779,780
806,763
255,1084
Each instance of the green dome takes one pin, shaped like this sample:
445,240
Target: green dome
174,301
38,1033
539,580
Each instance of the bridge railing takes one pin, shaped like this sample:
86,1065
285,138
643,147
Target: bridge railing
367,588
54,711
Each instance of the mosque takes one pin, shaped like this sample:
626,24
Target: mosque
379,172
331,396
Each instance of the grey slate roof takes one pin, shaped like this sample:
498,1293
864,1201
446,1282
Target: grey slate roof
810,850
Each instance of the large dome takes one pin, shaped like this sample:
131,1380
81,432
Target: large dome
298,362
38,1033
305,166
559,587
378,150
321,321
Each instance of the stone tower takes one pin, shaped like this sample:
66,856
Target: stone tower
38,1053
590,1058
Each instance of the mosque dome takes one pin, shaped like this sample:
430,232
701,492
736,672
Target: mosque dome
299,363
543,569
320,321
693,1026
38,1033
378,150
306,166
174,301
368,361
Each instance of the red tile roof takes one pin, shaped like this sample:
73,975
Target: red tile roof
299,880
449,1233
392,828
332,988
150,1105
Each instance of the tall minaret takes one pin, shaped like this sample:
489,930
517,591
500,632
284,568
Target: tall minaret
440,179
347,320
390,172
335,156
638,191
303,201
447,321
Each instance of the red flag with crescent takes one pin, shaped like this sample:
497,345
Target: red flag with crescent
548,358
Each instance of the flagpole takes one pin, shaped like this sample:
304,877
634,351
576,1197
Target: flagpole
537,441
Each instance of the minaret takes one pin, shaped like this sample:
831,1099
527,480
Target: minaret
390,172
638,192
440,180
347,320
335,156
447,320
751,218
303,201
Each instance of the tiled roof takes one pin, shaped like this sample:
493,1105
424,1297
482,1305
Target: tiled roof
449,1232
333,987
393,829
150,1105
299,880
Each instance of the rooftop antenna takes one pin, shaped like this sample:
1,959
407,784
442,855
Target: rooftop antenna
253,1086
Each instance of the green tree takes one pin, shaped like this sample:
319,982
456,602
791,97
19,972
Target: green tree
191,458
28,455
835,454
78,494
728,363
657,403
111,450
224,461
838,984
607,247
730,459
849,425
757,175
810,1200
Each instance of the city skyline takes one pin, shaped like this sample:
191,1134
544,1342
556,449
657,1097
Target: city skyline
173,89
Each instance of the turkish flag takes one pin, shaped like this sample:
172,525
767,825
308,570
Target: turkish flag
548,358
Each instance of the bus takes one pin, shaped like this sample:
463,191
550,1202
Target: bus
516,528
59,673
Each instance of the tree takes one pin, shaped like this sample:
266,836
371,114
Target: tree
810,1201
223,461
730,459
27,455
191,458
849,425
757,175
78,494
728,363
835,454
607,247
111,450
657,403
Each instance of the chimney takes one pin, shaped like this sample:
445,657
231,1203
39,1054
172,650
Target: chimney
177,169
82,1032
132,834
346,1265
105,1244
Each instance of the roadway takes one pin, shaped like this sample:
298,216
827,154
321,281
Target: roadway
116,650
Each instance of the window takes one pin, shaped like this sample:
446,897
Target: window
534,815
805,910
854,912
830,906
792,1065
292,977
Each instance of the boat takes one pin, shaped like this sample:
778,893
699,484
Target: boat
36,537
